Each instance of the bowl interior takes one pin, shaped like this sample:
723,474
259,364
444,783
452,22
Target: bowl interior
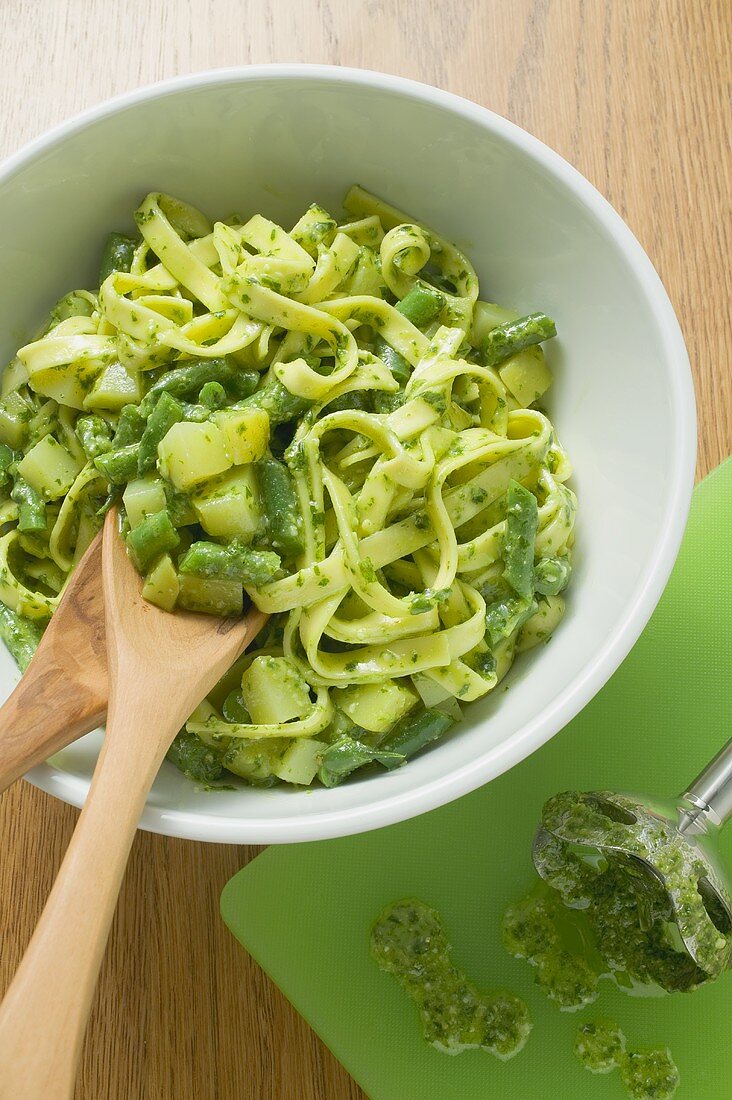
540,238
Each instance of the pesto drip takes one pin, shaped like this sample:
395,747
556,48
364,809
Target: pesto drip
408,940
652,1074
649,1074
539,928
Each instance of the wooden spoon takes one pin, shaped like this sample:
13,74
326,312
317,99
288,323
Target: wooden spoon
160,667
63,692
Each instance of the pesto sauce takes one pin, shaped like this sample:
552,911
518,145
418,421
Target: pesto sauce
636,920
540,929
647,1074
600,1046
408,940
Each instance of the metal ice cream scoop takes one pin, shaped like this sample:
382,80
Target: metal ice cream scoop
675,841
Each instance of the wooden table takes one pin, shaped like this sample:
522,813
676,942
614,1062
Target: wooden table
635,93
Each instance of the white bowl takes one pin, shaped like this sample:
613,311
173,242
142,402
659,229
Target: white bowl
275,138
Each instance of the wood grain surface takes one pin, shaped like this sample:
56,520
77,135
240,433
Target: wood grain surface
636,94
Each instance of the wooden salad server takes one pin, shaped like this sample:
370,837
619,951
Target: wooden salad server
160,667
63,693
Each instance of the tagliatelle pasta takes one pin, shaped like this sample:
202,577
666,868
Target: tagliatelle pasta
327,421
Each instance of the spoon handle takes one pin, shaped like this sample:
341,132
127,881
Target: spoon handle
44,1013
709,798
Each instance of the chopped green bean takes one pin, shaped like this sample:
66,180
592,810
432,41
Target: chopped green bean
213,395
194,412
391,358
179,506
130,426
119,466
71,305
94,435
117,255
360,400
421,305
7,457
31,508
20,635
280,506
235,561
109,500
277,401
233,709
164,415
412,733
187,381
428,599
388,402
551,576
522,518
506,615
154,536
506,340
346,754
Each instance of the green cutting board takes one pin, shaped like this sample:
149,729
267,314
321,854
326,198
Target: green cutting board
304,911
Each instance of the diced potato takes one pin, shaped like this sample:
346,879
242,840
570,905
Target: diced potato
230,507
255,759
14,415
430,692
14,376
245,432
115,387
540,627
181,511
376,707
192,453
526,375
274,691
49,468
69,384
204,713
300,761
487,316
161,585
215,595
143,497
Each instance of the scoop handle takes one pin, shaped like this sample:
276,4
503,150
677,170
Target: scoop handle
708,801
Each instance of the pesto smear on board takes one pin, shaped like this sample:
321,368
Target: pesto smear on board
600,1046
409,941
595,913
539,928
647,1074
